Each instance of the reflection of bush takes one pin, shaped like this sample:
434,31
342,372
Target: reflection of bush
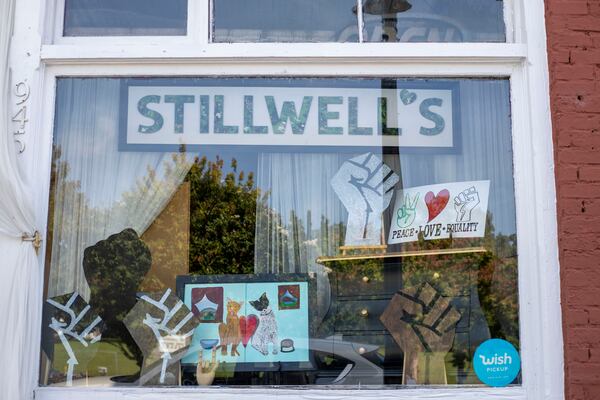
223,216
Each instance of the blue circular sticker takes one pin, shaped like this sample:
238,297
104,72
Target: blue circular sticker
497,362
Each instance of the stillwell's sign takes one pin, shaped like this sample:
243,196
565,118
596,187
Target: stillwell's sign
421,114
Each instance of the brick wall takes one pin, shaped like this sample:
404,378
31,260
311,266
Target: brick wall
573,28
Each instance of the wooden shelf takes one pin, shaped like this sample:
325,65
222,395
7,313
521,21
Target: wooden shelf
418,253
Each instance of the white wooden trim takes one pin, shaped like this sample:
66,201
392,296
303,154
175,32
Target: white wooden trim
197,22
524,63
543,364
100,50
509,20
285,68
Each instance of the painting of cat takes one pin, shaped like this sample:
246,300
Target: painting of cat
267,331
229,331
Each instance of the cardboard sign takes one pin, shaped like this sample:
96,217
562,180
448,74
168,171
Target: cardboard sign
162,117
438,211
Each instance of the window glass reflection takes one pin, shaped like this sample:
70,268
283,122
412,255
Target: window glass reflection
285,21
433,21
125,18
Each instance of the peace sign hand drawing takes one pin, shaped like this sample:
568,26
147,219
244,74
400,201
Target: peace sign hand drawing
365,186
407,213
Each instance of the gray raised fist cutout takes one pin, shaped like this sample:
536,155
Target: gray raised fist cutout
365,186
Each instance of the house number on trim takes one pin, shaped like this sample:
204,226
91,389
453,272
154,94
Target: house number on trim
22,92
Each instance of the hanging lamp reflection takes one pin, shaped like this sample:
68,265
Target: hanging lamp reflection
385,7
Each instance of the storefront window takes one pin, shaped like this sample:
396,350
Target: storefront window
125,18
276,232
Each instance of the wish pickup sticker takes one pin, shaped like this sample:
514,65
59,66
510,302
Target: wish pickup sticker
439,211
496,362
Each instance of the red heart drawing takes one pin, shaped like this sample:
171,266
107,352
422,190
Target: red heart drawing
248,326
436,204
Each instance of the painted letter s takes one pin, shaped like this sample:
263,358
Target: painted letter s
153,115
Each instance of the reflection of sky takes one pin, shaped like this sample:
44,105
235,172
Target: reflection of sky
334,20
147,16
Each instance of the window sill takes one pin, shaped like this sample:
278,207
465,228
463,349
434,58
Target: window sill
216,393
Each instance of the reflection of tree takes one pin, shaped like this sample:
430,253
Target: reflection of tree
223,215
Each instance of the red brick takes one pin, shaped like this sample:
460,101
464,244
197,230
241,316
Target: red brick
594,7
572,206
580,354
586,139
594,315
574,155
576,392
588,296
574,71
578,242
572,87
589,173
567,173
560,55
570,7
577,318
581,278
576,121
588,23
594,355
585,56
579,190
592,392
570,39
580,224
581,103
585,372
584,336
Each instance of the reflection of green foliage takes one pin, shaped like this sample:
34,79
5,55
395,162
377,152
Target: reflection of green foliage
109,355
223,215
114,269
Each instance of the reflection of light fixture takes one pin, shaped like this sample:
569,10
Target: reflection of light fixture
388,10
383,7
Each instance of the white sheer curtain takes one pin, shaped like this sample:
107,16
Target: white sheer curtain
21,276
484,152
99,190
300,218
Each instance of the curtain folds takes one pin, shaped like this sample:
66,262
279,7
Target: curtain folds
99,190
21,276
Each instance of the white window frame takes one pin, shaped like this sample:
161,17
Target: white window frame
38,57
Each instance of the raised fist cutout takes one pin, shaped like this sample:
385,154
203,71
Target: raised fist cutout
365,186
423,324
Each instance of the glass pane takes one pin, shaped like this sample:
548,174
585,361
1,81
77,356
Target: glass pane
125,18
433,21
285,21
310,231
